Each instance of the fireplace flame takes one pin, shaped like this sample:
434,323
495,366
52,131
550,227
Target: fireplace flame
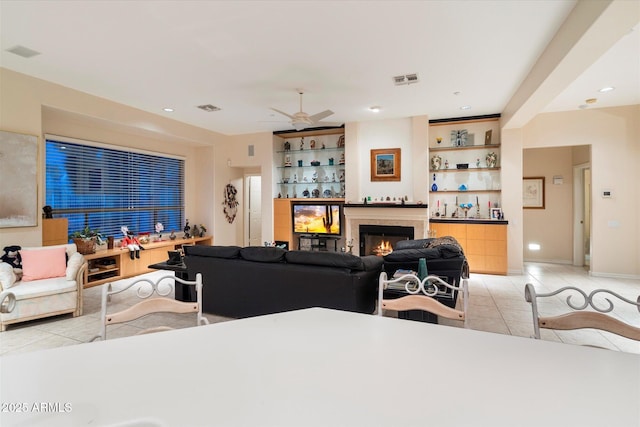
384,248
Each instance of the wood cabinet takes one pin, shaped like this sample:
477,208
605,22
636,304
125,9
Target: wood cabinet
283,219
115,264
55,231
310,164
485,245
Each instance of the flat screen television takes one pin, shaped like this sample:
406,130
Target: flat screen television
317,218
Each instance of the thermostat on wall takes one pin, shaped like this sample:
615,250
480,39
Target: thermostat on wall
607,193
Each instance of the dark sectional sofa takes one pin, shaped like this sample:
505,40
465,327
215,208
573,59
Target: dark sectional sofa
242,282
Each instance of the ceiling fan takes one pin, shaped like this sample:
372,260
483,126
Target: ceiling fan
302,120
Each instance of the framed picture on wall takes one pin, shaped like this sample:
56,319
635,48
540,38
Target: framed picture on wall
533,192
385,164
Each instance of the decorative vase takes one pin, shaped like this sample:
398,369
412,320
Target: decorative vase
434,187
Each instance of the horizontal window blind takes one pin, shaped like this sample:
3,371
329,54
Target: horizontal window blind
106,188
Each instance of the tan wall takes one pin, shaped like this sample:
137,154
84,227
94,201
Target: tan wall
551,227
36,107
614,137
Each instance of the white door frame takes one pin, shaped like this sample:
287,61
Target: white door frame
247,195
579,213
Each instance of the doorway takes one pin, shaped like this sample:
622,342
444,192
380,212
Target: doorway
253,212
582,215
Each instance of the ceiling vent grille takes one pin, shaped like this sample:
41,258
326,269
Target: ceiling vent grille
209,108
25,52
405,79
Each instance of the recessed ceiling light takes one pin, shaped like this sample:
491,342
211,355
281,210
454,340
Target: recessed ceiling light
466,107
607,89
583,106
375,109
168,110
591,100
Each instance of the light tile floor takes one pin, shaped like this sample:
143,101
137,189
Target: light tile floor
496,305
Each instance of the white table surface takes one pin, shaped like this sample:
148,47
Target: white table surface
321,367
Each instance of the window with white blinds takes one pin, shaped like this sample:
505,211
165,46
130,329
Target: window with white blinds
105,188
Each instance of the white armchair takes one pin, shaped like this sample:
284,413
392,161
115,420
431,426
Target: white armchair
44,297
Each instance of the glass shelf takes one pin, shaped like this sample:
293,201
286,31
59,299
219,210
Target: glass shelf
310,166
433,193
496,169
312,150
466,147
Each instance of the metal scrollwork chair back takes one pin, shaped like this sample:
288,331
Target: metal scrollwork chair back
581,317
422,296
162,287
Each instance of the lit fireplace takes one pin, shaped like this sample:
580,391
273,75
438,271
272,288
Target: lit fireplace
384,248
380,239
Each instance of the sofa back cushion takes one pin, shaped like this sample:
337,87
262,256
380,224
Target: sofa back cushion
228,252
325,259
43,263
263,254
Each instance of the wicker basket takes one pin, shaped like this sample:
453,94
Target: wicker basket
85,246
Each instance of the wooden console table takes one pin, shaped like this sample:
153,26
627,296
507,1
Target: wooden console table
115,264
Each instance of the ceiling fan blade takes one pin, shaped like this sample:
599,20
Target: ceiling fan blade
320,116
283,113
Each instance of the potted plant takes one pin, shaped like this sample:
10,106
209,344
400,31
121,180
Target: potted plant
86,239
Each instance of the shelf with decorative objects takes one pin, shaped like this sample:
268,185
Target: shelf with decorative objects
310,164
465,174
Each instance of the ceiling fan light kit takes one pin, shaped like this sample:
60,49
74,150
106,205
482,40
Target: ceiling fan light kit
302,120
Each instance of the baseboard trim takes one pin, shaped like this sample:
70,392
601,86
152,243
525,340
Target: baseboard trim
551,261
615,275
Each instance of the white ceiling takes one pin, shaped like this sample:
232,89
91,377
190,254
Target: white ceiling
248,56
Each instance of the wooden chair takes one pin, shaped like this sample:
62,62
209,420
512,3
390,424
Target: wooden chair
579,318
422,296
160,304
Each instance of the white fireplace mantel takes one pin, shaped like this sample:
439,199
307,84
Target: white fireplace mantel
416,216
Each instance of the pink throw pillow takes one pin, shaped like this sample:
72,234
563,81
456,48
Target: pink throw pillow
43,263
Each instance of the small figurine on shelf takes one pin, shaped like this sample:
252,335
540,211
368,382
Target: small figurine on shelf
203,230
314,177
477,163
187,230
322,147
172,236
195,232
130,242
446,164
302,143
340,143
312,144
159,228
287,161
295,178
341,161
333,177
287,145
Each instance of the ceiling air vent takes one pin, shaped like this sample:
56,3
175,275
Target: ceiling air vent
25,52
209,108
406,79
399,80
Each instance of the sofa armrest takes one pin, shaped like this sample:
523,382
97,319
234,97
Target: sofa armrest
372,262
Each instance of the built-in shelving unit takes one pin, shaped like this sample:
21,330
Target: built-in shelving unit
458,159
310,164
